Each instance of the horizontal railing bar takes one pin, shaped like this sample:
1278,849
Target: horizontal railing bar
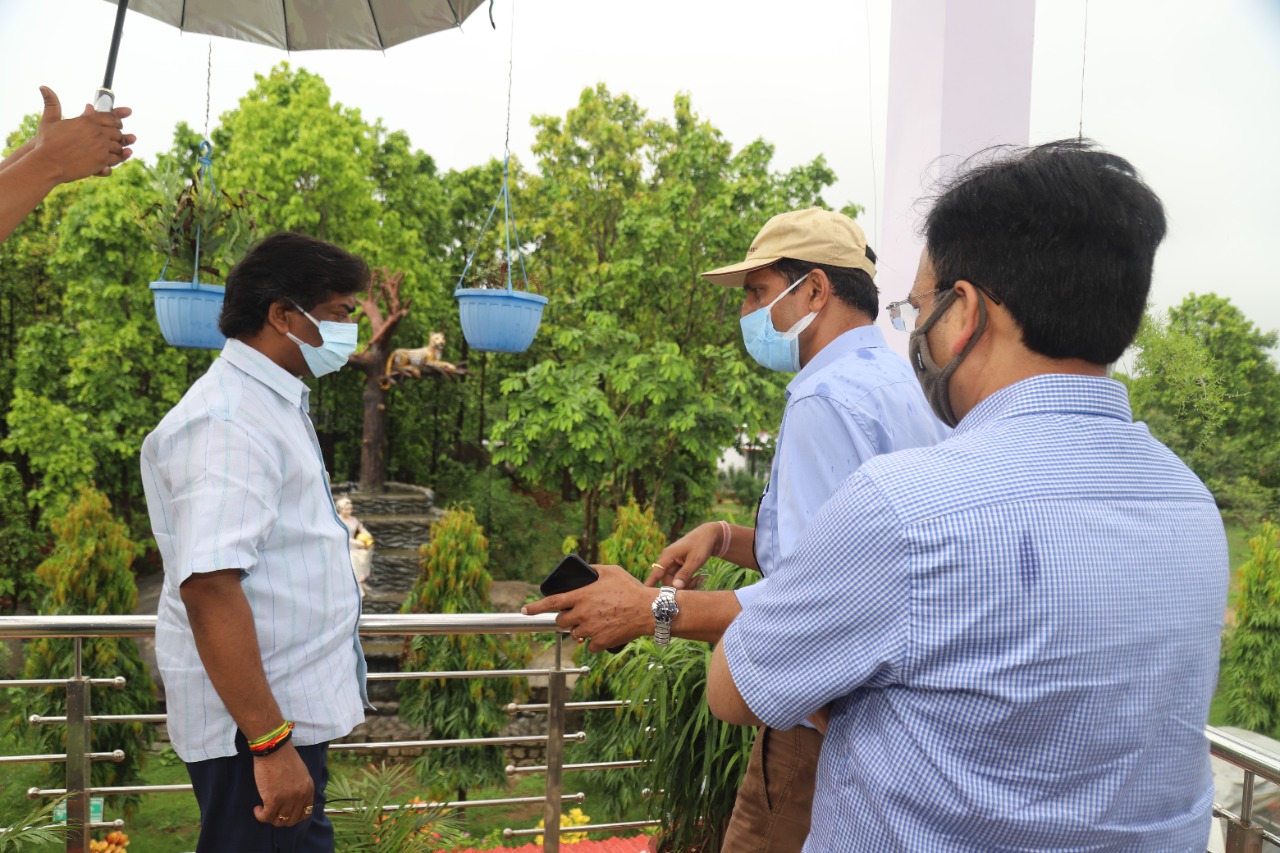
37,793
513,708
56,758
586,827
371,625
462,804
118,681
37,720
1219,811
1243,754
513,770
475,673
97,824
580,737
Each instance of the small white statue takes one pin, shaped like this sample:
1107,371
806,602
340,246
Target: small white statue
360,541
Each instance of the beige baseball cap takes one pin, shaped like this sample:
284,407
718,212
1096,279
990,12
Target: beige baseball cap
814,235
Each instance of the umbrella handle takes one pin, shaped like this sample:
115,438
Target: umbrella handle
104,99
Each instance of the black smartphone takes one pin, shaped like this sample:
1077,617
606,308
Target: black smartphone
572,573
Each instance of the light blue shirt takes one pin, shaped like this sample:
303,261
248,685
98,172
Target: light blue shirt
1017,631
854,400
234,479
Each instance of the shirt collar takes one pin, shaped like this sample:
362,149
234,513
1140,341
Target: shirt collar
1052,392
248,360
863,337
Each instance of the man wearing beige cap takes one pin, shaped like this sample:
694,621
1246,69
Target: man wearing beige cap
809,307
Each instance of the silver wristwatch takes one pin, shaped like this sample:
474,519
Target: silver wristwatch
664,611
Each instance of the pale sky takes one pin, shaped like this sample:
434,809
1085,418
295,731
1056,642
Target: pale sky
1187,90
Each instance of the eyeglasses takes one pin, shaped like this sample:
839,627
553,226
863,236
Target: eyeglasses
904,314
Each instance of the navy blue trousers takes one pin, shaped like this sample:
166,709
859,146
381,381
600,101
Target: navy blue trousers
227,795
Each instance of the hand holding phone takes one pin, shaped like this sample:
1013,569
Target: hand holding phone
572,573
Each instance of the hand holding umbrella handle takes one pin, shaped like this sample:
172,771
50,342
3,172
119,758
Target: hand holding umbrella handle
104,100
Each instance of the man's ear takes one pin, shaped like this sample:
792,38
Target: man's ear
965,315
821,292
278,316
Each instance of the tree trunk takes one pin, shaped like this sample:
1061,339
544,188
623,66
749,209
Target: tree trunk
373,446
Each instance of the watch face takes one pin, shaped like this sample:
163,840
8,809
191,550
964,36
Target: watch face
664,607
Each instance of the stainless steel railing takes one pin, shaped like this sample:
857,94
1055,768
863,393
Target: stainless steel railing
1243,833
79,719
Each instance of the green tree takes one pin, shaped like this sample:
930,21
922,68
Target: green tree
90,385
455,579
29,291
1251,653
1206,384
641,381
22,544
89,573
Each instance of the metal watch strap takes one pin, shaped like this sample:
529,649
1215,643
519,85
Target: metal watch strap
664,611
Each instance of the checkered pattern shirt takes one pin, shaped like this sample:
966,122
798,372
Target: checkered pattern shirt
234,480
1017,631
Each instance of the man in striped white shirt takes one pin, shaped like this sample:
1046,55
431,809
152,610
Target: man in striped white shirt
256,633
1014,632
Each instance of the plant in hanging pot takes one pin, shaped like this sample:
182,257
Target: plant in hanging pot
496,317
202,232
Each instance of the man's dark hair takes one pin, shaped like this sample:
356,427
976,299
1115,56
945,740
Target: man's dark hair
853,287
291,266
1064,234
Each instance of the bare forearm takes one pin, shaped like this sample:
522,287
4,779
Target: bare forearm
17,154
705,615
723,697
23,185
227,642
742,546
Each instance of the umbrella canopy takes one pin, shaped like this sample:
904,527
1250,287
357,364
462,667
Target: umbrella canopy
311,24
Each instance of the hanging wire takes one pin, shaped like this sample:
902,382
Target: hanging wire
504,194
1084,55
511,64
871,116
208,88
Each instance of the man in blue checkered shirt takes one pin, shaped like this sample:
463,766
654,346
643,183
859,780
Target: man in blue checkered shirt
1012,636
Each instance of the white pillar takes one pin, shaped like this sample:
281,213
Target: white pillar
959,81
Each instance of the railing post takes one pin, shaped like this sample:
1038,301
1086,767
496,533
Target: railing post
555,755
77,757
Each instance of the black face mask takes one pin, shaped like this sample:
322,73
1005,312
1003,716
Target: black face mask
935,380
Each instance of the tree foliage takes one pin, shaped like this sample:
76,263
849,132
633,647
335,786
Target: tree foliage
89,572
1207,385
641,381
20,551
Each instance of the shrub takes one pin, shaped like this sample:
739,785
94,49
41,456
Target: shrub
455,579
1250,679
89,573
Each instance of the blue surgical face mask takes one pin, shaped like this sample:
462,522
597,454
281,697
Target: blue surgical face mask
339,342
771,348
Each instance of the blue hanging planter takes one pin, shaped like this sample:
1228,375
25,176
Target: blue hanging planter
188,313
494,319
499,320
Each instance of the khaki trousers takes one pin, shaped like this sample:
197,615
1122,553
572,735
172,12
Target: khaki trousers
771,814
